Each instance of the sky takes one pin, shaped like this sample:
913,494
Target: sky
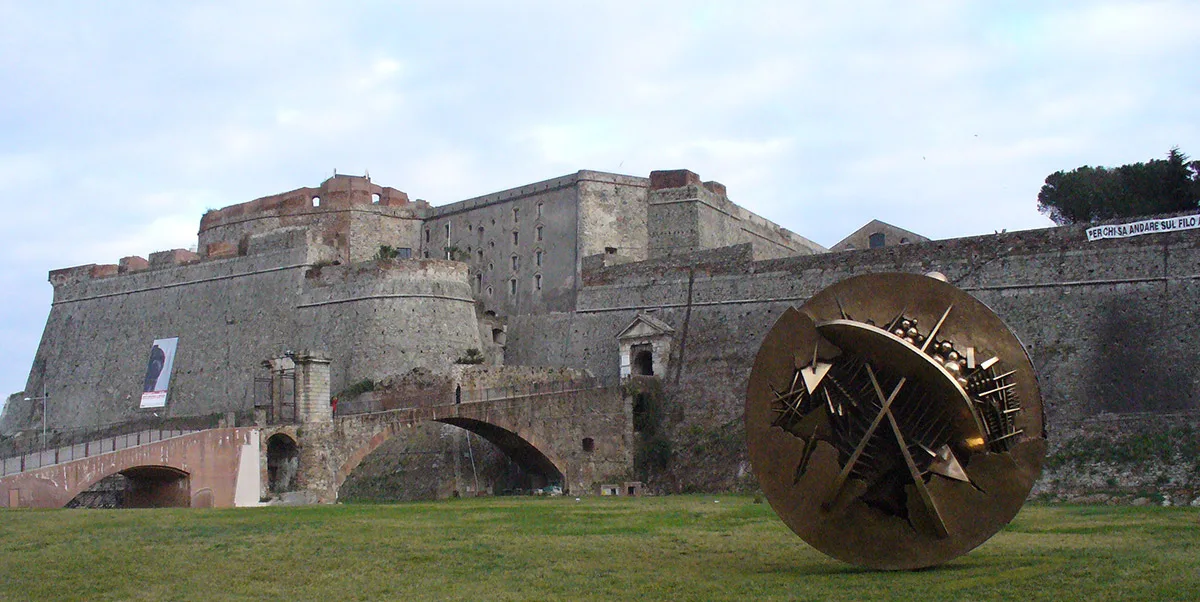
122,122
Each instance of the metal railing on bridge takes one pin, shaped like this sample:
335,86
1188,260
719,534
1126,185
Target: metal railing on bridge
375,404
65,445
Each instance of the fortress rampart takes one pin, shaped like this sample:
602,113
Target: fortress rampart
1108,324
348,213
285,293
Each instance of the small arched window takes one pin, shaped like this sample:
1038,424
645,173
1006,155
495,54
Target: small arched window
316,201
876,240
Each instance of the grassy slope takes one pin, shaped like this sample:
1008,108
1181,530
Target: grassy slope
679,547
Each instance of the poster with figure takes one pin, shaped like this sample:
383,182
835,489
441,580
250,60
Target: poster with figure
158,373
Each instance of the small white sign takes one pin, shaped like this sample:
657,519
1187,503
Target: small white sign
1150,226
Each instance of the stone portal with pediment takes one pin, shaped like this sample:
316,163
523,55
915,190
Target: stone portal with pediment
645,346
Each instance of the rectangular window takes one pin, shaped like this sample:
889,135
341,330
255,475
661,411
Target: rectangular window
516,262
538,256
539,234
537,282
426,234
403,253
447,230
512,286
514,238
539,211
478,282
516,214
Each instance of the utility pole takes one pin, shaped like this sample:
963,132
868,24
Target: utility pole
43,399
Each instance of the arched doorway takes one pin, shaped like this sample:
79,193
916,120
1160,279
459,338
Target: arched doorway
642,360
283,461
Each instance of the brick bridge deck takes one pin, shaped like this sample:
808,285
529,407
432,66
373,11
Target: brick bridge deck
215,467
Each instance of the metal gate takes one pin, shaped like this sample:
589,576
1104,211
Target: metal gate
275,395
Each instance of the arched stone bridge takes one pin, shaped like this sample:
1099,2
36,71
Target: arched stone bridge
571,438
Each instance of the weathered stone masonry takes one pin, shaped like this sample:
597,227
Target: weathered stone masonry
552,273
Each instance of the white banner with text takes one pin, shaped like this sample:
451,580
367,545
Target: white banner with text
1150,226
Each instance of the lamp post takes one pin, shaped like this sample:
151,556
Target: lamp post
43,399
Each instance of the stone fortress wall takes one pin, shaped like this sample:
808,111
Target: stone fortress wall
1099,319
373,318
1108,325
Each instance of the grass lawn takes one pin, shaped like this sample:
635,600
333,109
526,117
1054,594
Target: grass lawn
676,548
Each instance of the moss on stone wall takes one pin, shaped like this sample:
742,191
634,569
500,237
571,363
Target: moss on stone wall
1173,445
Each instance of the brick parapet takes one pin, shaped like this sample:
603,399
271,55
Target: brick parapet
673,178
336,193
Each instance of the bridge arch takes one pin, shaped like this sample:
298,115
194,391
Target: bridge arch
283,462
146,486
541,465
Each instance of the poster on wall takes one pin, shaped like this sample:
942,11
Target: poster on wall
158,373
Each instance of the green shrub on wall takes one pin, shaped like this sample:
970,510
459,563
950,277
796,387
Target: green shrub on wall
652,448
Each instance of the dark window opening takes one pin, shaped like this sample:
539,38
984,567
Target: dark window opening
643,360
498,336
876,240
589,445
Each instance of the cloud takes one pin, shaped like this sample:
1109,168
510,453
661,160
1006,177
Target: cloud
123,123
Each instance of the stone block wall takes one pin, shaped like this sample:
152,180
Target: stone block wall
685,216
1106,323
